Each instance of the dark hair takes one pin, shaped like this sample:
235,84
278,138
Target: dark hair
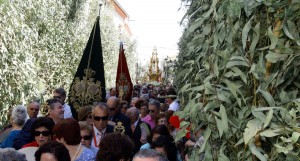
167,144
50,102
69,130
60,152
159,116
172,92
123,103
159,129
141,103
60,91
84,112
114,147
113,88
42,122
49,105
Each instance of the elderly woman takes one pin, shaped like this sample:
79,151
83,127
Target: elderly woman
18,118
85,114
53,151
161,119
67,132
10,154
86,133
143,108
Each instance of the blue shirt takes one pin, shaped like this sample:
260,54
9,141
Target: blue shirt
86,155
8,142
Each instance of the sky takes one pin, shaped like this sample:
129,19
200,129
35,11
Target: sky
154,23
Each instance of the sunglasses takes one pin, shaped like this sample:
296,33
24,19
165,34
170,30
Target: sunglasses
151,111
98,118
44,133
87,137
112,109
34,109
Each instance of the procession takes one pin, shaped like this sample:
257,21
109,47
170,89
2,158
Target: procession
119,80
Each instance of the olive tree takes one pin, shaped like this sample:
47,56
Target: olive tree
239,78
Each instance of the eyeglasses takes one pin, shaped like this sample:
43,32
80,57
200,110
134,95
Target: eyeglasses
34,109
151,111
87,137
44,133
98,118
162,121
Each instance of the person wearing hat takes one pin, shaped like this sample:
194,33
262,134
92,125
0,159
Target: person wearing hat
172,101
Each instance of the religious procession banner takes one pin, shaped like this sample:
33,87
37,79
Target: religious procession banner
88,85
123,81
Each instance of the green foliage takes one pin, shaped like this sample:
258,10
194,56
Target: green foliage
41,44
240,77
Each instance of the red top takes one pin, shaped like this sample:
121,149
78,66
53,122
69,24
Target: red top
32,144
175,122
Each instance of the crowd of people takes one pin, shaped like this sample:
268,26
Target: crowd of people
115,130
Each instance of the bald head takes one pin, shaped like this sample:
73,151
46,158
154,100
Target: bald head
113,104
134,111
33,108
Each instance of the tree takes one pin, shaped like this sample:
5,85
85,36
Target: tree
239,77
41,44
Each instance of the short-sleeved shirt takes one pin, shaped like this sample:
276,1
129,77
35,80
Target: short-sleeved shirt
86,155
174,106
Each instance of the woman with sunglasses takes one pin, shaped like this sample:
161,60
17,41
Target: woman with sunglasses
86,136
67,132
41,130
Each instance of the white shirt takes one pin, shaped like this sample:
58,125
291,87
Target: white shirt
67,113
174,106
98,135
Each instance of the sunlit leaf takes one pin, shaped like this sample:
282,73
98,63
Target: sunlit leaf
268,118
257,152
253,126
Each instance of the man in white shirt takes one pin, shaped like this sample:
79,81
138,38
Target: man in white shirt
172,101
100,115
60,93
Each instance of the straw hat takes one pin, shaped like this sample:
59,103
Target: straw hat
170,94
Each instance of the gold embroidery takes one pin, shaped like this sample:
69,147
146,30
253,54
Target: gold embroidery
85,91
123,86
119,128
45,109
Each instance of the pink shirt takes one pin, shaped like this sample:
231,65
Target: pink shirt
149,121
